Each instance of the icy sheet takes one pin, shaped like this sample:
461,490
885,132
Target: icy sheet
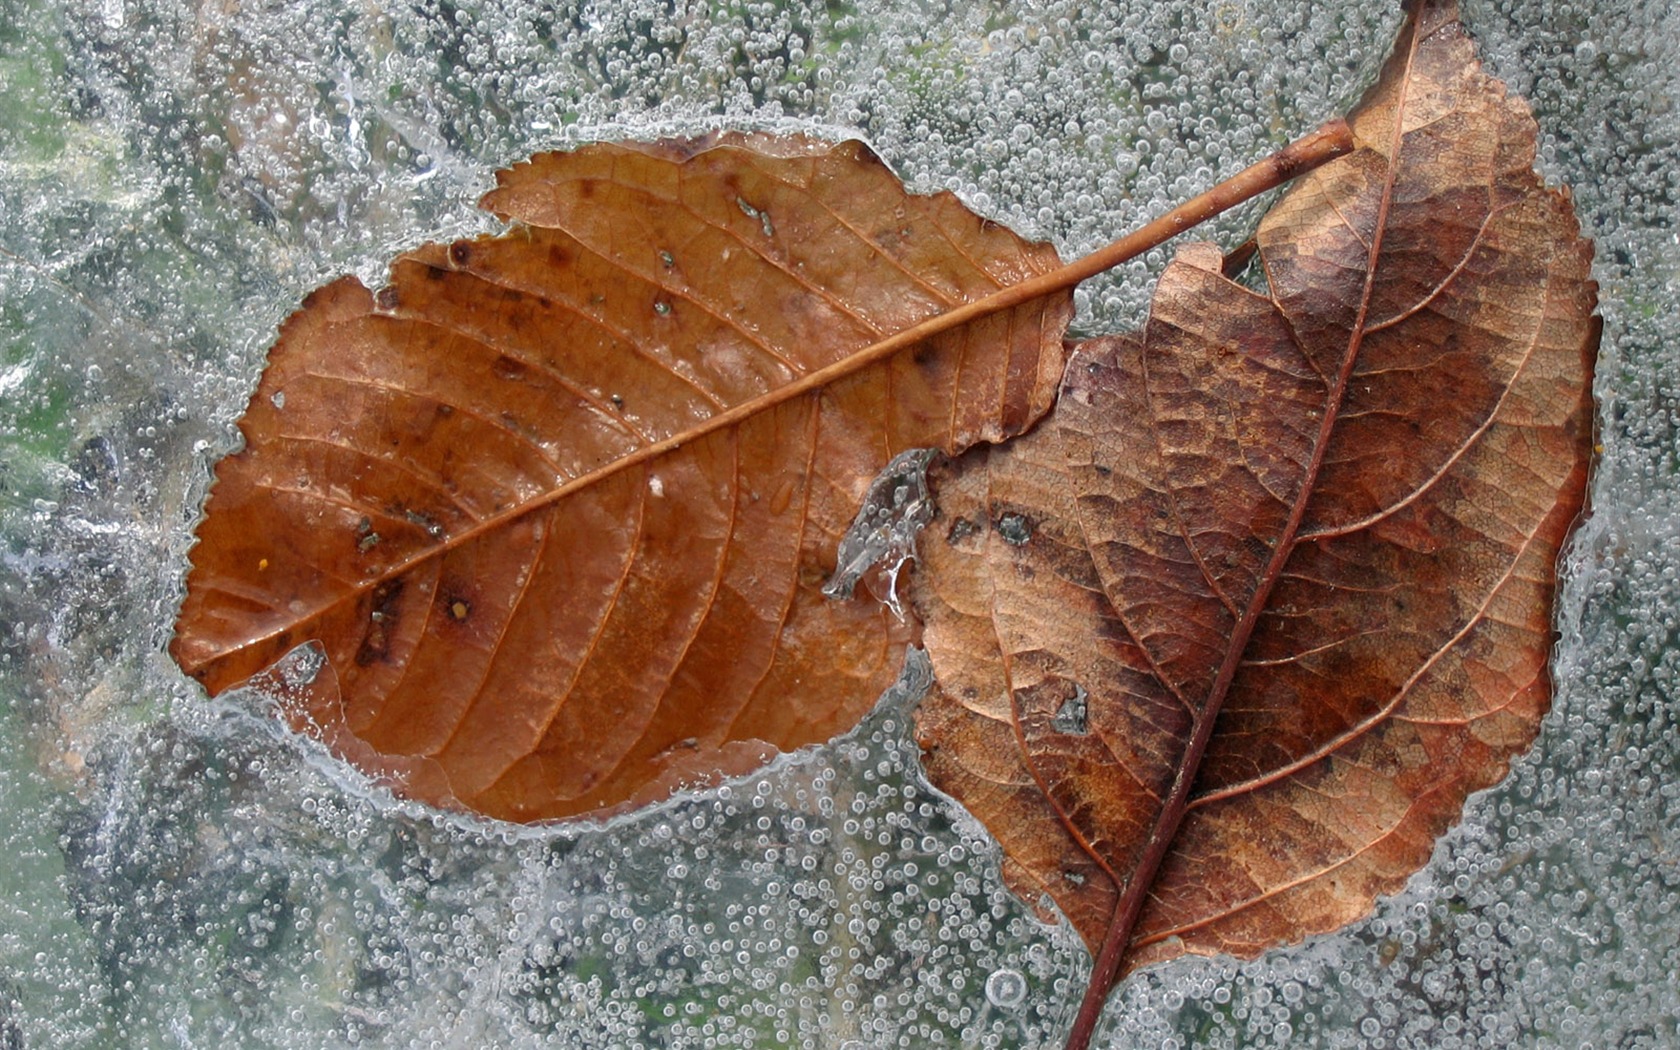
174,178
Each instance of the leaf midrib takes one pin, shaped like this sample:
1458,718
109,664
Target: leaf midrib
1117,940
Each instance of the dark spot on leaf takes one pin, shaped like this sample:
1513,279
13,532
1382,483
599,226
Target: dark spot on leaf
670,751
1016,529
1071,717
433,527
510,369
382,618
385,299
460,253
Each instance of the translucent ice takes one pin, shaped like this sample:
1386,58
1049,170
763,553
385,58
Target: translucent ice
175,177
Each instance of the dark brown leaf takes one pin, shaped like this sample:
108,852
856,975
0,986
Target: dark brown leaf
1224,644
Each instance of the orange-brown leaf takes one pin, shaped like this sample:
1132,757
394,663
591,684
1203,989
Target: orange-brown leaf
1224,644
554,505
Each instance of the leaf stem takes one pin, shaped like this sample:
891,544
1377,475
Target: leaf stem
1331,140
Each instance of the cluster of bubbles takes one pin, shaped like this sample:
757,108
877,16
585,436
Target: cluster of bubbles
243,889
175,177
345,132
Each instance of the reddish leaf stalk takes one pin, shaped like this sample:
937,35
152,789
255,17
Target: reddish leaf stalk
1333,139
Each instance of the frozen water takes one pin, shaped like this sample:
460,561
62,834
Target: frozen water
882,536
173,178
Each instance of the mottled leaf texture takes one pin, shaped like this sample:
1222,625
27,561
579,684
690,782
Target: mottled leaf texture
553,505
1223,645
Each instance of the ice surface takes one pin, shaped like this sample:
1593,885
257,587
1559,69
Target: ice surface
174,178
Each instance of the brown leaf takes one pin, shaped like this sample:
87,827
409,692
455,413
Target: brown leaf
1224,644
557,504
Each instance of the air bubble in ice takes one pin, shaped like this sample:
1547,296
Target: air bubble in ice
1006,988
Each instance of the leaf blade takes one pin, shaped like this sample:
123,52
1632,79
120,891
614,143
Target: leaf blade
425,570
